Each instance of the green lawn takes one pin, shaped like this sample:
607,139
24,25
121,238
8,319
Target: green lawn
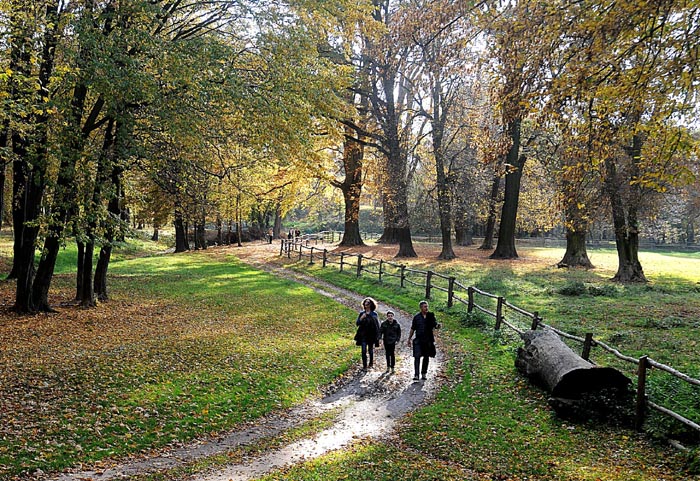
492,423
194,344
189,345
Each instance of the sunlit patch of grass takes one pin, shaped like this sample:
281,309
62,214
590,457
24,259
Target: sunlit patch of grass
189,345
374,462
492,421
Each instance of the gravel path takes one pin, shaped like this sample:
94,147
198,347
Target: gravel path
366,404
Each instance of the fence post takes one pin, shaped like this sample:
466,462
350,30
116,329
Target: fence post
342,256
535,320
381,265
499,313
300,249
470,294
451,292
641,392
281,246
428,285
587,343
325,257
359,265
289,250
403,275
311,257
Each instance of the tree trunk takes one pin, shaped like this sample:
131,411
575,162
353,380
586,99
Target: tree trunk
100,282
570,379
491,221
277,227
397,200
239,228
87,296
79,272
463,236
625,223
30,171
505,248
114,207
156,233
690,232
444,202
180,233
576,254
351,187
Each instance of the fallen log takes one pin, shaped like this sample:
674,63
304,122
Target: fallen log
578,388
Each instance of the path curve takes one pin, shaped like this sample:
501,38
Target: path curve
368,405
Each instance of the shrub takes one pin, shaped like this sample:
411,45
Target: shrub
573,289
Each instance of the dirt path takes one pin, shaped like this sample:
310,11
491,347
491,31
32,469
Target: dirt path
367,405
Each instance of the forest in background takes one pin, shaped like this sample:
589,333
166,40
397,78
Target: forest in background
491,117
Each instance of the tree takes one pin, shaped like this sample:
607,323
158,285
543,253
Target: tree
391,79
522,34
636,82
441,37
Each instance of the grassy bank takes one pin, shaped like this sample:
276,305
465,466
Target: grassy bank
491,423
190,345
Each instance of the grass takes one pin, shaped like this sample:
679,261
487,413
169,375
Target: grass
196,344
492,422
190,345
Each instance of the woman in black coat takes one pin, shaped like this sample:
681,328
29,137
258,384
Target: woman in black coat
367,335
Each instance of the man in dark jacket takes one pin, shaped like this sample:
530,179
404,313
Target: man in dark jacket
424,343
390,332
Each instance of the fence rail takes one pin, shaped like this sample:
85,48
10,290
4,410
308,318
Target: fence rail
455,292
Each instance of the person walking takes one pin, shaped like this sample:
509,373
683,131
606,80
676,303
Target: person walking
390,333
423,325
367,335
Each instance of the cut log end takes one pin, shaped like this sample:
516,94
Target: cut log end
578,388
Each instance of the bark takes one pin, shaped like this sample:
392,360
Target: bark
439,120
277,227
576,254
487,244
4,136
568,377
576,228
79,274
87,296
239,227
396,201
625,221
180,233
690,232
64,200
351,187
505,248
114,207
219,231
30,169
463,236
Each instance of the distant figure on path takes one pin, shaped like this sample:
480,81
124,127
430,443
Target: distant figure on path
423,325
390,332
367,334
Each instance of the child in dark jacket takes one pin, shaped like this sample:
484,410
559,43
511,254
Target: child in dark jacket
390,332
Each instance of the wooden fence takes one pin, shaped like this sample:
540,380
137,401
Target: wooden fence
307,247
